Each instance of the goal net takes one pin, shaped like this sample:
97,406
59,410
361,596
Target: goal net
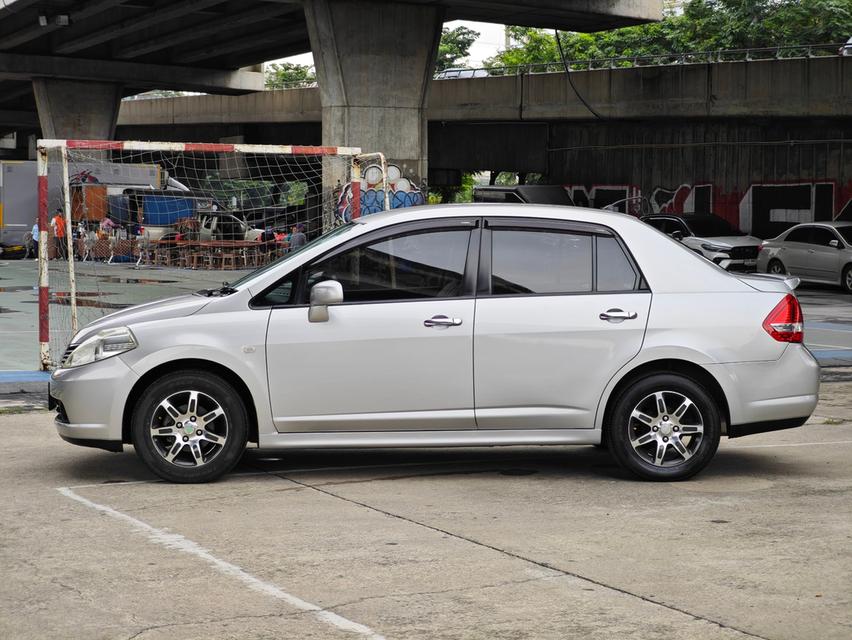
124,222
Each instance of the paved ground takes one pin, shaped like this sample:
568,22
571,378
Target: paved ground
477,543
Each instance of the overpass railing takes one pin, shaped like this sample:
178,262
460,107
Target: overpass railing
787,52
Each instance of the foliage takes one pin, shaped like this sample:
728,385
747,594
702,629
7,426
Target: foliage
454,47
703,25
462,193
287,74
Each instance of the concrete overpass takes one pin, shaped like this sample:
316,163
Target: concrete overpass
72,60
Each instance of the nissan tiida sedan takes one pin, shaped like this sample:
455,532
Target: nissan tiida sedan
815,252
467,325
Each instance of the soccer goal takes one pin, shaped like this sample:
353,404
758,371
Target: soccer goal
126,222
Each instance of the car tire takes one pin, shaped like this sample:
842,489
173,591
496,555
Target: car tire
776,267
846,278
664,427
190,427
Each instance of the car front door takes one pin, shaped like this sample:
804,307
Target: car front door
397,353
560,308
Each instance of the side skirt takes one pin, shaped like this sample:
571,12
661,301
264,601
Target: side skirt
469,438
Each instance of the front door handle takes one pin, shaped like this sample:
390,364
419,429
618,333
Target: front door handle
442,321
617,315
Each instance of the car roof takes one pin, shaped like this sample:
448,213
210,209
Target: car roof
833,224
493,209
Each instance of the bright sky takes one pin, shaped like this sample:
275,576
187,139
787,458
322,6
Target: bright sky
491,38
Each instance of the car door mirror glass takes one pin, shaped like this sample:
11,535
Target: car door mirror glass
323,294
677,235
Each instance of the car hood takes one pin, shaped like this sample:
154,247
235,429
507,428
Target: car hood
176,307
731,241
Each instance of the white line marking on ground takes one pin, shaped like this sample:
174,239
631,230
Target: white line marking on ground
180,543
792,444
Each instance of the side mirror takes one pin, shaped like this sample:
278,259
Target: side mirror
323,294
835,244
677,235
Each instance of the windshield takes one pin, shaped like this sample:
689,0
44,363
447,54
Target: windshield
709,226
337,231
845,233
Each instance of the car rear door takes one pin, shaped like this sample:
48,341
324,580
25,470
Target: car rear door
560,308
794,251
823,259
397,354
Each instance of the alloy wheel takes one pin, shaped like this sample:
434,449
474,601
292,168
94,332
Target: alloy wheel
666,428
189,429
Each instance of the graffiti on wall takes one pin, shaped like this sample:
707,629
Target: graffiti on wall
764,209
401,193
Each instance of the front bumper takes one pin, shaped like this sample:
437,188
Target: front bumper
90,402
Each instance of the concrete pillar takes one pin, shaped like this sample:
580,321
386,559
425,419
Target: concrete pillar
374,63
69,109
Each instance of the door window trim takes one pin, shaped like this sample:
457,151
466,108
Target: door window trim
471,223
483,284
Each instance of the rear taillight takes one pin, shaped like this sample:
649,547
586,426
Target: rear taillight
785,322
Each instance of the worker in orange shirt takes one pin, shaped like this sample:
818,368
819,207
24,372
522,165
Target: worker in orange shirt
58,224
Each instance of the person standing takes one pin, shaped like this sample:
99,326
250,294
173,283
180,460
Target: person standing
35,239
58,224
298,237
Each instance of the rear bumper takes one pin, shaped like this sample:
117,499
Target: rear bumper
781,392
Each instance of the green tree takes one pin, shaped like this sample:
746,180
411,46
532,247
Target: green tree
454,47
288,74
703,25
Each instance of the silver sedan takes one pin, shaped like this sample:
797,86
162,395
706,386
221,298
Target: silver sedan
468,325
814,251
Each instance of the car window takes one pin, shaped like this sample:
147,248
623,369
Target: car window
533,261
414,265
281,294
822,236
658,223
709,226
846,233
799,234
615,273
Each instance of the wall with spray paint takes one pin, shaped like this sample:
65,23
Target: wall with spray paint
762,178
403,193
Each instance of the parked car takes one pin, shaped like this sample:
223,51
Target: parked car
816,252
458,72
590,326
712,237
529,193
222,225
846,49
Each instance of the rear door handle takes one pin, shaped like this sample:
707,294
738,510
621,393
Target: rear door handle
617,315
442,321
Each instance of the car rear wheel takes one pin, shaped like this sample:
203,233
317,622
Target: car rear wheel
776,267
846,278
664,427
190,426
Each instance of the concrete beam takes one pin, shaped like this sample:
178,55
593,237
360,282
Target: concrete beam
246,43
22,36
70,109
26,119
143,21
145,76
204,30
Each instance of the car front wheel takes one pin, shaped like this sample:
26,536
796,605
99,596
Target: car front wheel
664,427
190,426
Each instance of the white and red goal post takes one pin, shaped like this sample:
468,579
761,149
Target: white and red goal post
173,206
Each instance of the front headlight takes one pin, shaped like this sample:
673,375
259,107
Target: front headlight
104,344
715,248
